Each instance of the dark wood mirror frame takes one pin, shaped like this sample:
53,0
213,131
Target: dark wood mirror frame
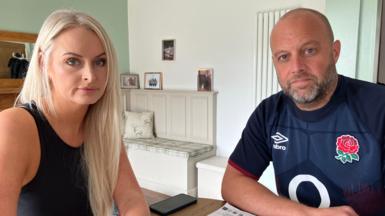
17,36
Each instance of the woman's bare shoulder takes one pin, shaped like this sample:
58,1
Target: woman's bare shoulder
19,145
18,132
16,121
19,151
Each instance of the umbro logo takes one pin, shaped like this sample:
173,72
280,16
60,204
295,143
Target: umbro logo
278,139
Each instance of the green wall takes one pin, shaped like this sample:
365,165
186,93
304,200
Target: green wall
28,16
355,22
368,49
345,21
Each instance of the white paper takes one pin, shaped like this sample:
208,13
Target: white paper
229,210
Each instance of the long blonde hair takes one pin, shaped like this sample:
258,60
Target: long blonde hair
102,140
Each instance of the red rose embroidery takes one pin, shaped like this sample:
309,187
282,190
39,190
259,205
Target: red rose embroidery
347,144
347,149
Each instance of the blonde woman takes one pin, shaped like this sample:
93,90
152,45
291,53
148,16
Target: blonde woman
60,147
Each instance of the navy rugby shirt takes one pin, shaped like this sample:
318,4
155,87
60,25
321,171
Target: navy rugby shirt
328,157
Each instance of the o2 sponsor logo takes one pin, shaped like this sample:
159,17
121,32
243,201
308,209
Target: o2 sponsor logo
323,192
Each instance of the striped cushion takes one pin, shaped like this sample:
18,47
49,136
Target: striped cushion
168,146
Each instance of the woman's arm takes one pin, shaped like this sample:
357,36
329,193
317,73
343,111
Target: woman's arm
19,156
128,195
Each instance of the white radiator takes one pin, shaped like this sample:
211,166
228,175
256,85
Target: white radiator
266,79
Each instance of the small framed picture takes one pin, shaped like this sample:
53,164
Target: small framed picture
205,79
168,50
153,80
129,81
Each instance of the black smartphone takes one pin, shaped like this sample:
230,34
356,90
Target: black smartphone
172,204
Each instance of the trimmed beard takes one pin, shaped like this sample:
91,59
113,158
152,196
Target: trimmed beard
317,91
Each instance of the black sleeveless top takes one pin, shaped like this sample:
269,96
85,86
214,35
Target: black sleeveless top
59,187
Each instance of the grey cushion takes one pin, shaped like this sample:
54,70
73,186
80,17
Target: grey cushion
139,124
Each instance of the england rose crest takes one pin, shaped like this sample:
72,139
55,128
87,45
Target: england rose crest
347,149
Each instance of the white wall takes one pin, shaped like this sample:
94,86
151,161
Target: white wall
209,33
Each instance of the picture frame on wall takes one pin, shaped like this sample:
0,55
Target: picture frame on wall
168,50
129,81
153,80
205,79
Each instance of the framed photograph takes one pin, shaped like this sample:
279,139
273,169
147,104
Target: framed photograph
129,81
168,50
153,80
205,79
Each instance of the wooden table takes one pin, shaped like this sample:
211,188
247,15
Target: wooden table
203,206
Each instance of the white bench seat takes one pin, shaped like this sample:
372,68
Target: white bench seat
185,127
168,146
